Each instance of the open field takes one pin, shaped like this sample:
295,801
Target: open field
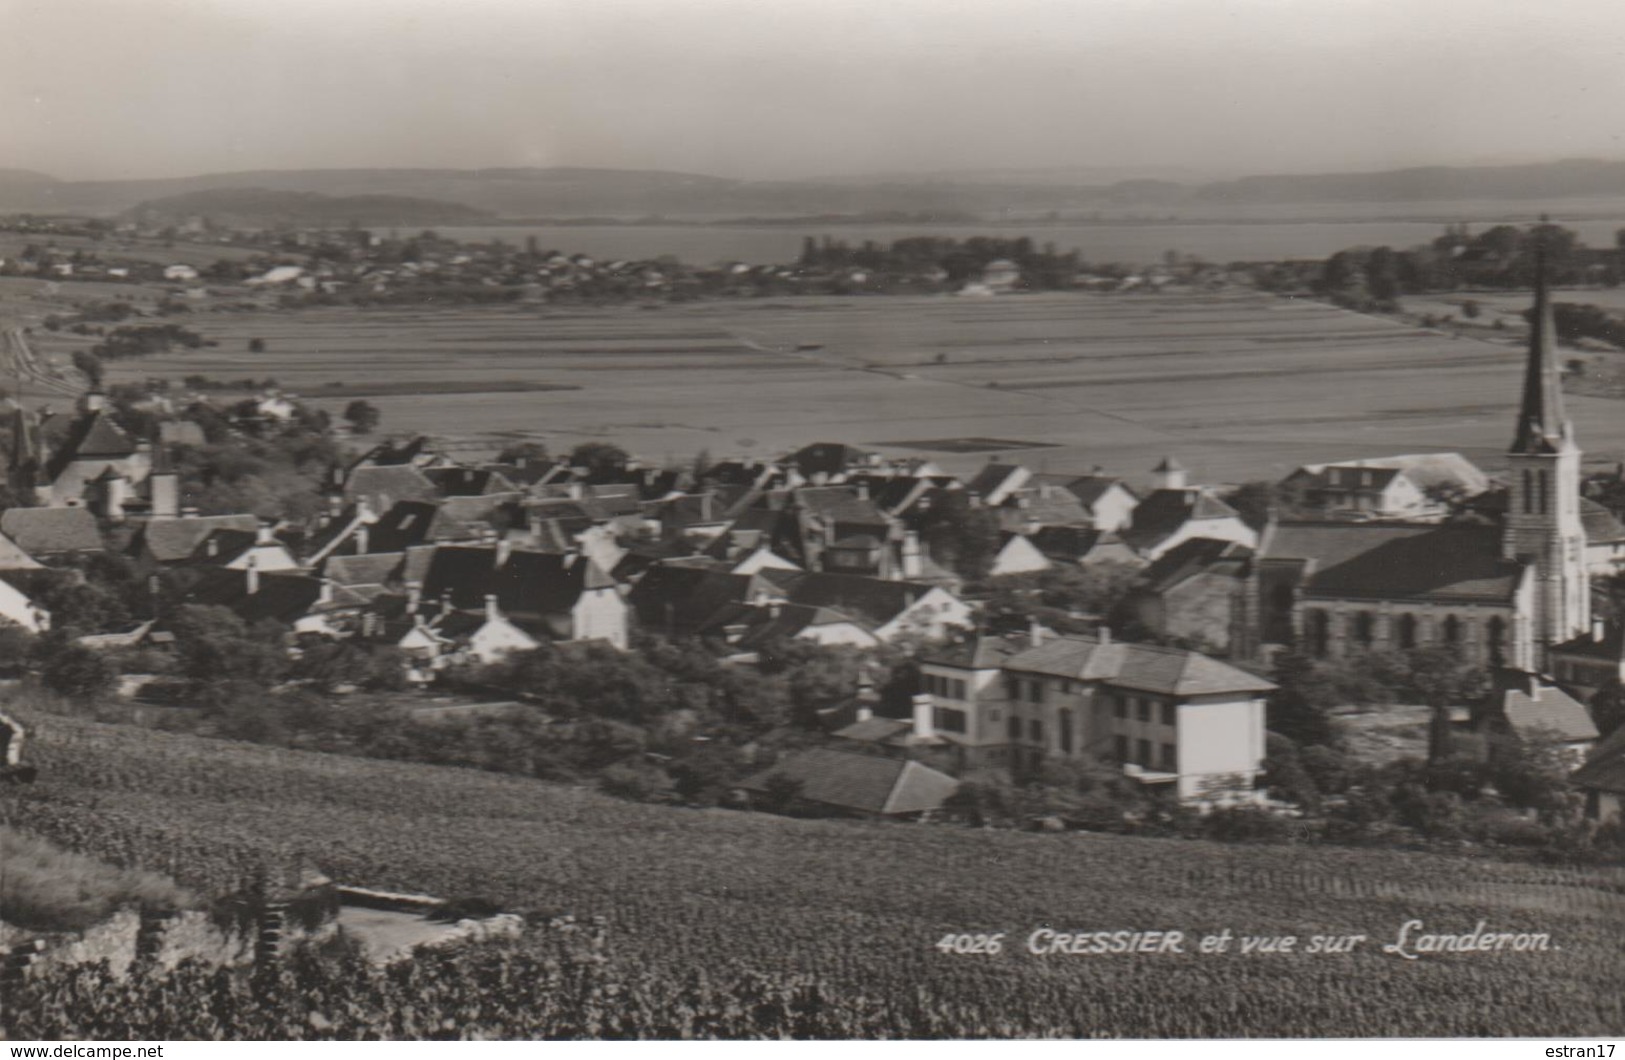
1238,385
862,904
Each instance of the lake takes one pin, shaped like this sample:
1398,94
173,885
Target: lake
1140,243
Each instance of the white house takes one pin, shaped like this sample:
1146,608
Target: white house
1170,718
1018,555
17,608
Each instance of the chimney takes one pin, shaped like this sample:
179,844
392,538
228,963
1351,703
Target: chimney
924,707
214,546
492,613
1599,628
263,535
253,572
362,534
164,488
1104,634
913,561
335,505
863,491
445,602
326,596
504,550
864,712
414,596
1035,631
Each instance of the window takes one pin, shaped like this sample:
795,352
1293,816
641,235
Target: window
1452,630
1120,708
1142,709
1495,635
1407,630
1319,633
1066,731
1144,749
1035,691
950,720
928,684
1035,731
1365,627
1012,687
1170,715
1543,478
1013,728
1120,748
1170,758
957,688
1528,492
994,714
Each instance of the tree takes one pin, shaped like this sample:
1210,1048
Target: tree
599,458
960,535
1298,708
362,415
78,672
91,365
1608,707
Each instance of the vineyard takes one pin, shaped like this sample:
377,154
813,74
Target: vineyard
724,924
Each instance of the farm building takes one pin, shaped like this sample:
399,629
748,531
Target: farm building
857,784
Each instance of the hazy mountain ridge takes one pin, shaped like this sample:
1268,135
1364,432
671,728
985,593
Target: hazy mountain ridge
565,192
265,207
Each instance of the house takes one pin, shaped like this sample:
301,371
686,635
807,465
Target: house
1604,539
1525,706
12,556
826,462
567,595
1077,545
305,603
382,486
95,449
1414,486
1586,665
749,627
1174,512
997,483
1173,719
855,784
51,532
1602,780
1108,503
170,541
888,609
1196,592
235,549
1018,555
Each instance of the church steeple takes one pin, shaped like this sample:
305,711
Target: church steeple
1542,425
1542,528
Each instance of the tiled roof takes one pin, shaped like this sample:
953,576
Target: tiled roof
43,531
991,477
983,651
1199,555
545,583
1067,542
827,458
867,783
1609,646
875,600
1600,524
172,539
1087,488
464,571
874,730
1395,561
91,436
283,597
384,486
12,557
684,598
1163,512
374,568
1547,709
770,623
1146,667
467,481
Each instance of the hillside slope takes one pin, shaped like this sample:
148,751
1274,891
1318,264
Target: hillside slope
862,905
263,207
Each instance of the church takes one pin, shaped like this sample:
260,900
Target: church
1499,595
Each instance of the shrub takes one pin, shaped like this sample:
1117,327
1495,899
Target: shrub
633,780
1245,824
45,888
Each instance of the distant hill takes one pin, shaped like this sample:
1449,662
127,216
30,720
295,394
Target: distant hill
263,207
1571,178
573,192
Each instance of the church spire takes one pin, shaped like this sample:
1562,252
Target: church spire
1542,425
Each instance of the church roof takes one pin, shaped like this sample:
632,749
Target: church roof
1398,561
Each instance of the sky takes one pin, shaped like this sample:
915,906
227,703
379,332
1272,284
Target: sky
777,89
